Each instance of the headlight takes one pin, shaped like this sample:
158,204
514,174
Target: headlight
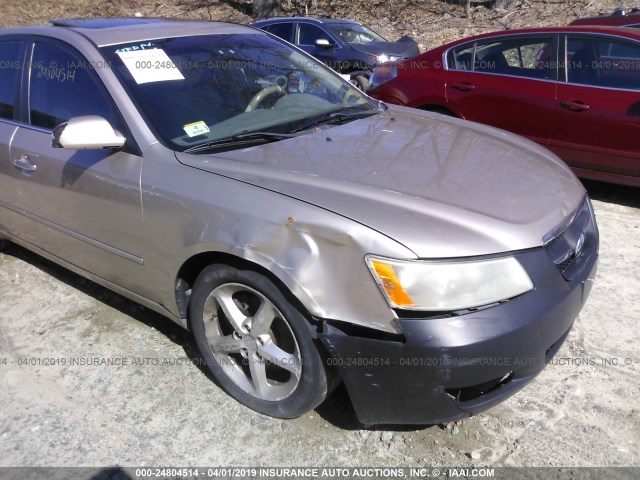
384,58
448,285
382,74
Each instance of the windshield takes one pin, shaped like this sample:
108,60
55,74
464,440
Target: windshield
355,34
197,90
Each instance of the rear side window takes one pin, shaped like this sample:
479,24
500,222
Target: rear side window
603,62
282,30
63,86
461,58
10,67
617,49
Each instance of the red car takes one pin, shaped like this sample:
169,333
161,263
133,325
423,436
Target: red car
629,17
575,90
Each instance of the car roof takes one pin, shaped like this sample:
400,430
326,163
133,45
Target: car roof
112,31
607,20
319,21
620,16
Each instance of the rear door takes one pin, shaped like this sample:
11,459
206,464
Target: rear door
81,205
284,30
598,109
506,82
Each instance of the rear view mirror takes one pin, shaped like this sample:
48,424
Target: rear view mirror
87,132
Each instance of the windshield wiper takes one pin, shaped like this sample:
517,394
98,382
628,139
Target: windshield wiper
239,140
336,117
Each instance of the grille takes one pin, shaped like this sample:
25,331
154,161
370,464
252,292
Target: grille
475,391
563,265
572,240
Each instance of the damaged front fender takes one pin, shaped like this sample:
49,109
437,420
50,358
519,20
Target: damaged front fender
317,254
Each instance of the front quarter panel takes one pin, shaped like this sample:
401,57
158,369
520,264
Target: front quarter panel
318,255
420,83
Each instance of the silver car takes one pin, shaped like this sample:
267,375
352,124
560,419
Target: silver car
305,233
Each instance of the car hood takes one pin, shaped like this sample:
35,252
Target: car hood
440,186
404,49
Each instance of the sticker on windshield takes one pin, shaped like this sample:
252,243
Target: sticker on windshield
140,46
196,128
152,65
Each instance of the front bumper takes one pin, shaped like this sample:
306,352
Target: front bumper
449,368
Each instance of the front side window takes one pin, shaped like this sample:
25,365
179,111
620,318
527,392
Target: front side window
197,90
62,86
602,62
529,57
461,58
10,68
309,34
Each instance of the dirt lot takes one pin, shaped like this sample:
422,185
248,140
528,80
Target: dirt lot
158,408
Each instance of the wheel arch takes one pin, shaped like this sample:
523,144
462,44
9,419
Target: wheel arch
432,107
194,265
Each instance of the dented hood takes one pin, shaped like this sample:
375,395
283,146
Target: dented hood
403,49
440,186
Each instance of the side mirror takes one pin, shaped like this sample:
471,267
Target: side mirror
87,132
323,43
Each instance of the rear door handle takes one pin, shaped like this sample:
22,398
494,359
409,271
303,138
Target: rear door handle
463,87
575,106
23,163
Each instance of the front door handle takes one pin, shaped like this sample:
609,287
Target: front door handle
463,87
23,163
575,106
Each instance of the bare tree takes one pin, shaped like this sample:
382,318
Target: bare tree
265,8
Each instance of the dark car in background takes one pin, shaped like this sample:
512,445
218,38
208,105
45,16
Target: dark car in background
621,17
348,47
574,90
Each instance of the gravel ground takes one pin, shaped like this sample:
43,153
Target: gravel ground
158,408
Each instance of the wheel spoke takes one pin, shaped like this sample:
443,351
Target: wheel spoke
270,351
224,297
226,344
263,318
259,377
250,339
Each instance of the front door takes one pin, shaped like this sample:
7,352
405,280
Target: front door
306,39
507,82
81,205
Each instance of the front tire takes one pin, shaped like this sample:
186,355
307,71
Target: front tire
361,82
441,110
256,344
